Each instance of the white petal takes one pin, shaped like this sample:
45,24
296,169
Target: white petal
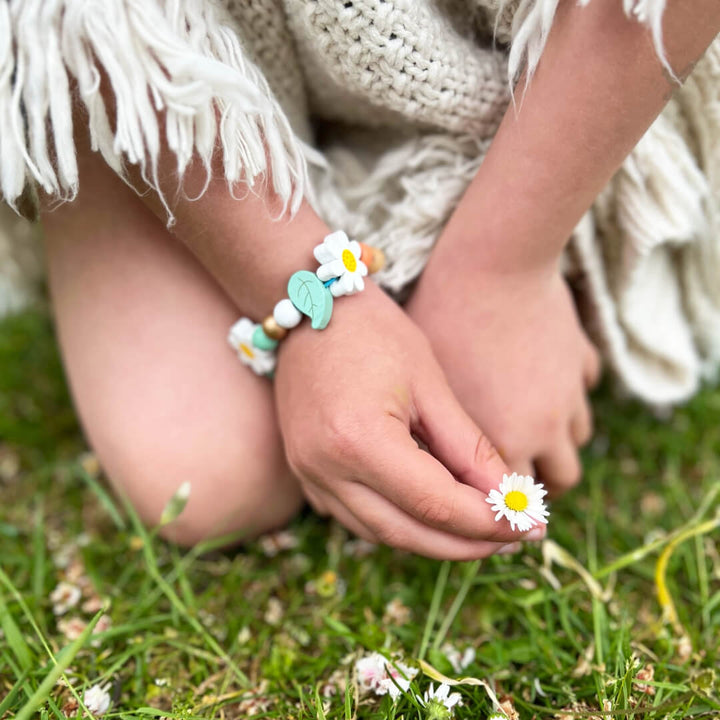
355,249
241,332
337,289
337,242
358,283
263,362
362,268
453,700
344,286
323,254
330,270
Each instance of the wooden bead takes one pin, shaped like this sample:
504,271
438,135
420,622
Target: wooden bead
377,262
272,329
374,258
366,253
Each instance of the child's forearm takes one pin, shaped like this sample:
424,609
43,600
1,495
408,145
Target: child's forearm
597,88
249,254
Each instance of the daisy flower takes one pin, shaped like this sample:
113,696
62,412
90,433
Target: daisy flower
340,258
376,673
240,337
275,542
65,596
439,703
520,500
72,628
459,661
97,699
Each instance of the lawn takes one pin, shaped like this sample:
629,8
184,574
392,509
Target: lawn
616,615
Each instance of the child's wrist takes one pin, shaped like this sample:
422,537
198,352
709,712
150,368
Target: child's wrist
278,250
467,259
343,265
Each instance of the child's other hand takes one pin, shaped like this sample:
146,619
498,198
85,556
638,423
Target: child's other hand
514,353
350,398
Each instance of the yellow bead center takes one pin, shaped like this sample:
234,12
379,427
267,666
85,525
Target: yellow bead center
349,261
246,350
516,500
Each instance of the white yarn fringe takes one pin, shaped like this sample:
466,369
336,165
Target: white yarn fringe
533,19
700,102
660,192
176,71
651,211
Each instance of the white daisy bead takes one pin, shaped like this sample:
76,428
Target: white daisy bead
286,314
339,258
240,337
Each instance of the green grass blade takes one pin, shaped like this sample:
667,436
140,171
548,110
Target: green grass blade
431,620
9,699
14,637
63,660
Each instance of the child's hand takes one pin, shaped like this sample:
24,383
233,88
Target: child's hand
514,353
349,400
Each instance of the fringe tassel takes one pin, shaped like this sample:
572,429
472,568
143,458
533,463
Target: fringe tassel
653,358
533,20
700,103
649,217
175,70
659,191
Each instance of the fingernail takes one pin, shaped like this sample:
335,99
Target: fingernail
509,549
536,534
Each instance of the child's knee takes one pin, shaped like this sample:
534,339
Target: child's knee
238,492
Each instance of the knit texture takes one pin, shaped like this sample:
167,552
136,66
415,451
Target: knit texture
392,104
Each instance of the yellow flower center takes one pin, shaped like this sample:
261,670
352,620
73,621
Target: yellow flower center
246,350
349,260
516,500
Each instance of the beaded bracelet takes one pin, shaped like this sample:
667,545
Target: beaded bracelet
343,264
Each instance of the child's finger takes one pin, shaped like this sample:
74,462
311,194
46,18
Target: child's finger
454,439
581,424
373,516
560,467
417,483
592,366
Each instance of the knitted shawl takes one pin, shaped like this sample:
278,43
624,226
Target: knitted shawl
379,112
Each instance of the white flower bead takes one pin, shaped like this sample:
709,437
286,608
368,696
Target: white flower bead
340,258
240,337
286,314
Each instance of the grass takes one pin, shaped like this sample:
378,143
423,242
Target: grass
617,616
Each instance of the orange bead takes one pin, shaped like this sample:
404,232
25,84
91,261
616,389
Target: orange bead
366,253
377,262
374,258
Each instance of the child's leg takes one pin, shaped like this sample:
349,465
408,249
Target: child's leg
162,397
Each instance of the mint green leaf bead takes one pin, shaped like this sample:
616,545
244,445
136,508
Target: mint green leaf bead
261,341
310,296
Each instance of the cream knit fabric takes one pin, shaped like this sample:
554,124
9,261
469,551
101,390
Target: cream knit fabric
392,104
